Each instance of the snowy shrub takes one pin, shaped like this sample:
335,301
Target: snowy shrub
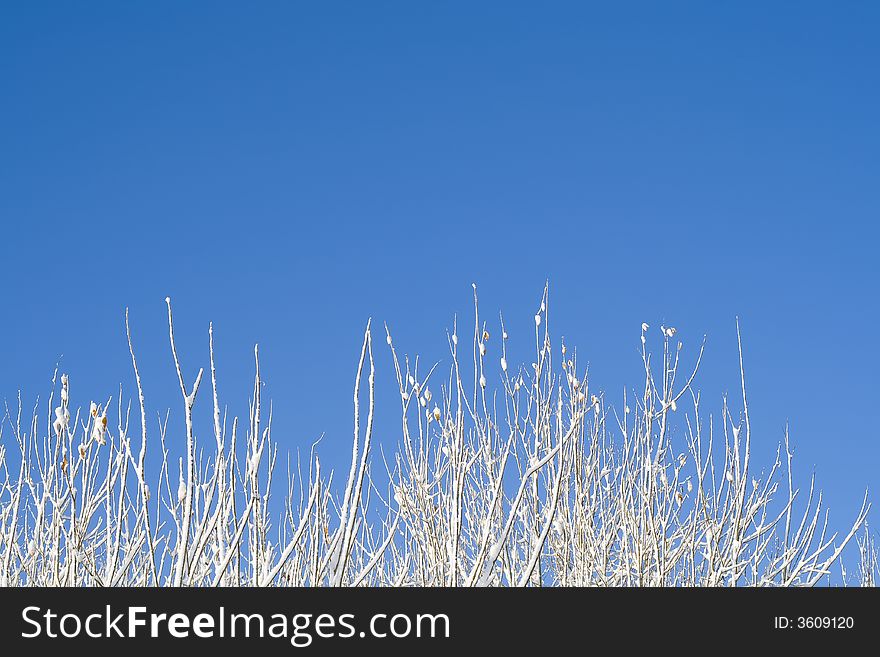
502,476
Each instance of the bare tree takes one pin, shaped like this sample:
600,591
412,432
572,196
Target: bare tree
502,477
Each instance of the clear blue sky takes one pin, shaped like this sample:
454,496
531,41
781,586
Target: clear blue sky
288,170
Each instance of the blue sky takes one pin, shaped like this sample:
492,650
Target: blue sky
287,170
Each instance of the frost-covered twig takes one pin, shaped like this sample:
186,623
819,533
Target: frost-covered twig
501,476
